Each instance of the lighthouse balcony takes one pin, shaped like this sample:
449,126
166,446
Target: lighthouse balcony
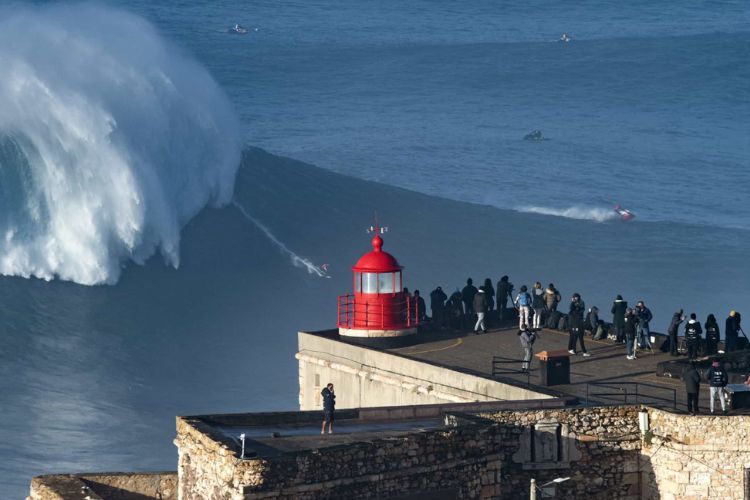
359,313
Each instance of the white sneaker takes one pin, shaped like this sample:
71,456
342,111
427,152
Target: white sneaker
586,355
630,357
571,351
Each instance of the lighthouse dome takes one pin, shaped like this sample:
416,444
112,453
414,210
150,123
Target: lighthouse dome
377,260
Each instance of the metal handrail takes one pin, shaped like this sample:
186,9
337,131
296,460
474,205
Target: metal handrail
623,391
499,370
374,316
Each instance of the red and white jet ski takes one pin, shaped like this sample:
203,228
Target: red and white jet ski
624,213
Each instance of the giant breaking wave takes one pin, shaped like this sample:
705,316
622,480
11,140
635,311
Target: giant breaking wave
111,139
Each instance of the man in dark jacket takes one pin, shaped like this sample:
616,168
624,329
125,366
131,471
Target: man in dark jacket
419,306
712,335
618,317
674,328
692,385
504,291
630,323
644,317
467,295
329,406
575,324
437,304
731,331
480,308
693,332
717,380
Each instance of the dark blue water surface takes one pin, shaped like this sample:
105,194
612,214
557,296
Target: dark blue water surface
647,106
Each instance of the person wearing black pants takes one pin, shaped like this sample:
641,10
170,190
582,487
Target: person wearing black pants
693,333
692,385
575,325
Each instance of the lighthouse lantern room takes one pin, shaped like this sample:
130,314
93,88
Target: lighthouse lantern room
378,312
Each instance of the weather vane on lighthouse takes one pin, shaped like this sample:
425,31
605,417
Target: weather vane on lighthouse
377,229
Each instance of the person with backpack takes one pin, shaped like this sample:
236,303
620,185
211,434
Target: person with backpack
552,297
575,325
480,308
527,338
537,303
692,380
618,317
693,332
712,335
717,380
630,328
644,316
673,330
329,407
523,304
504,291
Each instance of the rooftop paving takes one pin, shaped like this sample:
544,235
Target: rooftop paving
607,366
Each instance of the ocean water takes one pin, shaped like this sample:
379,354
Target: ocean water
108,147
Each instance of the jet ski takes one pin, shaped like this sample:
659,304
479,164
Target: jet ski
565,38
534,135
237,30
624,213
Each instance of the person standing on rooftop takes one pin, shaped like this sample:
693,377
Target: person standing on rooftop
673,330
575,325
552,297
630,323
329,407
692,385
480,308
504,292
717,381
618,317
693,332
731,331
467,295
523,303
537,303
644,317
527,338
712,335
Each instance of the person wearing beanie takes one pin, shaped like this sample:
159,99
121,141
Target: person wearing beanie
693,332
618,317
717,380
480,308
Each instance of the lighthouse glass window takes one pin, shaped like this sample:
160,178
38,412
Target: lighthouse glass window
369,282
385,283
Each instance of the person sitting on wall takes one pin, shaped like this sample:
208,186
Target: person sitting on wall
329,406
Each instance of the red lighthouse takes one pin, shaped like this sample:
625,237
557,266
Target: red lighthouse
378,313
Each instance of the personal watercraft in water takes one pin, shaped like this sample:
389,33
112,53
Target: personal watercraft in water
624,213
237,29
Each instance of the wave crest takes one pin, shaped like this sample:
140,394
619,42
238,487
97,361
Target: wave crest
111,140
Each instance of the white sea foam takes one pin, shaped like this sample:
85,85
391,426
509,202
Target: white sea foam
576,212
111,139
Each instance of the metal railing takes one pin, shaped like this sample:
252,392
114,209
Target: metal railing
499,369
352,314
636,394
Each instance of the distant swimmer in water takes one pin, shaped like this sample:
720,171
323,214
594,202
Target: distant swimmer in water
534,135
237,29
564,38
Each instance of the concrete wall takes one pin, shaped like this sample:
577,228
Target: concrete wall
366,377
699,457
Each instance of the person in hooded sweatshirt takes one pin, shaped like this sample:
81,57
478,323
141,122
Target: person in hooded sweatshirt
644,316
575,325
480,308
592,321
693,332
673,330
712,335
523,303
437,304
489,292
467,294
717,380
629,328
504,291
692,380
731,331
537,303
618,317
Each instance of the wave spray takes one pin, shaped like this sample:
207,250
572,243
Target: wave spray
111,140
